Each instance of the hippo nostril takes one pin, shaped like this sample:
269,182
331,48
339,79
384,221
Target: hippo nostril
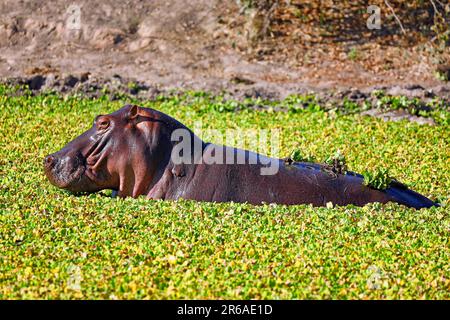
49,161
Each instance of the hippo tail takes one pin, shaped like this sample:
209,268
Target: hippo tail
401,194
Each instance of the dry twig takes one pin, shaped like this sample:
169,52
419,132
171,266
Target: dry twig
395,16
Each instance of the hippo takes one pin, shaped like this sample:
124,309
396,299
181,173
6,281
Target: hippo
131,151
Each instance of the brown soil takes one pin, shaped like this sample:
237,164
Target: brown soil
204,45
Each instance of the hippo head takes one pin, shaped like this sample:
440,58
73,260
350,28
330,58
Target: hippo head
119,147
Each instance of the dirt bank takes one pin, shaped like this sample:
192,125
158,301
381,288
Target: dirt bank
204,45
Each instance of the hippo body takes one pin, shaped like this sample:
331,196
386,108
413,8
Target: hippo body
131,151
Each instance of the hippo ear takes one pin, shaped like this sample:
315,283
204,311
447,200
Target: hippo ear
133,112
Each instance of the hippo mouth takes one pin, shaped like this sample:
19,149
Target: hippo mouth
76,172
67,176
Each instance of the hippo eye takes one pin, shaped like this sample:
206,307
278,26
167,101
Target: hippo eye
103,124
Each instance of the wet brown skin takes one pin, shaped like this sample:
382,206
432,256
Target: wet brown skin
130,151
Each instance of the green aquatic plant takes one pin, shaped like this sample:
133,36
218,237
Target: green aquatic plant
378,179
